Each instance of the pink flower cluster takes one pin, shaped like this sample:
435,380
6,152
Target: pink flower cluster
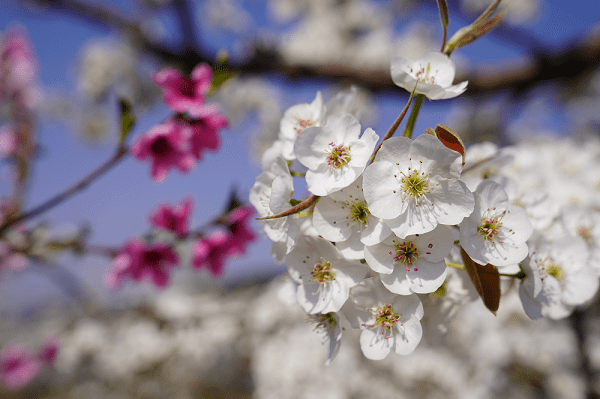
181,141
9,141
18,366
212,252
10,258
173,219
139,260
18,70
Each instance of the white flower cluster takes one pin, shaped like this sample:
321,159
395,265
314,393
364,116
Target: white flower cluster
382,233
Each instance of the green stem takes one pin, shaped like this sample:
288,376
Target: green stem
520,275
413,116
455,265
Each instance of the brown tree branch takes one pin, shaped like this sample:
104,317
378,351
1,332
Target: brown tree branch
575,57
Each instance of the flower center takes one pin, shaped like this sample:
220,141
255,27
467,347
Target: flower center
160,146
337,156
415,185
186,87
359,212
152,257
586,233
385,317
548,268
322,273
323,322
555,270
423,74
303,124
406,253
489,228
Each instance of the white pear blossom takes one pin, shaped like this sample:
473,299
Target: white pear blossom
334,154
344,218
557,278
323,275
270,195
433,74
295,120
391,322
497,231
414,264
583,222
414,185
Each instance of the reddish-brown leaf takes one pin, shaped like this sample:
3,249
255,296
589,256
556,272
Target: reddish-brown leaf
486,280
450,140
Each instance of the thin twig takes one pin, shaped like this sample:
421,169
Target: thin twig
580,55
295,209
395,125
76,188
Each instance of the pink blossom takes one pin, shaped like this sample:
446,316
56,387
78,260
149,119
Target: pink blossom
18,367
175,220
181,93
212,252
138,260
47,353
205,131
10,259
8,141
167,145
18,64
241,233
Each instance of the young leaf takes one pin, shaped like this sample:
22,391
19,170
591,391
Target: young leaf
480,30
445,18
486,280
220,74
450,140
127,119
474,31
486,14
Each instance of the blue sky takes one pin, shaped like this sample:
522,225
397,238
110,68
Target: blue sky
118,204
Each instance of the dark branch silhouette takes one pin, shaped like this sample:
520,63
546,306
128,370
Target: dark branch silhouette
575,58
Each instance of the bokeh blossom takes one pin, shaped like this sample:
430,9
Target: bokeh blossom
138,261
213,251
18,366
174,219
205,131
182,93
166,146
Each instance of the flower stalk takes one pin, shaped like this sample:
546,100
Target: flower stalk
412,119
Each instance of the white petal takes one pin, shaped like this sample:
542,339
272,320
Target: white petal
374,345
407,336
383,191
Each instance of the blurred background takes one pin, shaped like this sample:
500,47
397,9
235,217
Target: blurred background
536,75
